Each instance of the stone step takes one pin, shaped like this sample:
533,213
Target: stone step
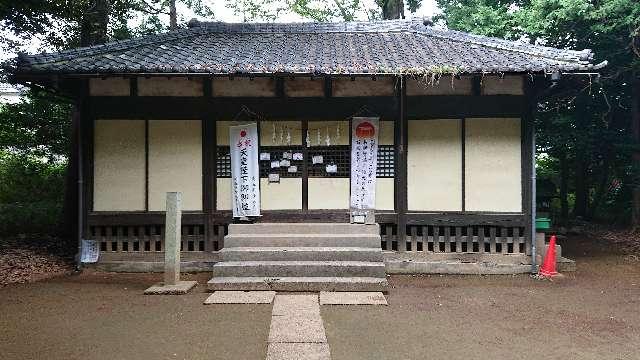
298,283
302,240
301,254
299,269
304,228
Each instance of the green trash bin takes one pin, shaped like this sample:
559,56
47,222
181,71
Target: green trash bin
543,223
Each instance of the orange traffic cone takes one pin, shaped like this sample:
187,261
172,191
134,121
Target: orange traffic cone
548,268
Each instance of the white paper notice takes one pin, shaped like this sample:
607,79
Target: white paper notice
275,164
286,155
285,163
332,168
293,169
274,178
90,251
317,159
298,156
265,156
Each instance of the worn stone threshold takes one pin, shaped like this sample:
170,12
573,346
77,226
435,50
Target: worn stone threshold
395,263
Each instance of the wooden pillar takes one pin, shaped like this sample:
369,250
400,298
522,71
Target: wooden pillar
528,166
83,141
88,128
400,135
209,156
305,166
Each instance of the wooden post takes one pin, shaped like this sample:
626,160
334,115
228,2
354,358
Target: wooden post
172,235
400,134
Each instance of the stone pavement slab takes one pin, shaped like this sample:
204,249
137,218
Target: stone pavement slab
288,304
180,288
240,297
352,298
298,351
297,329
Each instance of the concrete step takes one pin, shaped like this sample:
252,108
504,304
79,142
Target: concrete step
299,269
301,254
304,228
298,283
302,240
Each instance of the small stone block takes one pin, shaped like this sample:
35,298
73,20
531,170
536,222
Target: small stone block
287,304
180,288
297,329
298,351
352,298
241,297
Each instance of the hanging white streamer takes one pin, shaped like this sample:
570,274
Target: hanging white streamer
327,138
273,134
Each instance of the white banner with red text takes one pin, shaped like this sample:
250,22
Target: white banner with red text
245,172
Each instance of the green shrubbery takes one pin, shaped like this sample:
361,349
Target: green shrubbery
34,140
31,195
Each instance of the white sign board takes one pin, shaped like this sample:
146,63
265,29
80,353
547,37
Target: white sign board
245,173
364,162
90,251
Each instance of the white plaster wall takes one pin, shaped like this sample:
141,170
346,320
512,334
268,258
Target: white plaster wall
329,193
109,87
507,85
175,86
363,86
285,195
386,135
304,87
175,162
119,165
244,86
434,173
332,128
223,194
493,165
444,86
384,193
266,132
222,131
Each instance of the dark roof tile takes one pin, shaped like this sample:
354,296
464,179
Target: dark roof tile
397,46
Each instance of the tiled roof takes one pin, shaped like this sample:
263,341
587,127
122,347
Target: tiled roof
381,47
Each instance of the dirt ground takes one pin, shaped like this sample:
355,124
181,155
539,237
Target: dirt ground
593,313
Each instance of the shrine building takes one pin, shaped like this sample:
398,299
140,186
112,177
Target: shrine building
455,140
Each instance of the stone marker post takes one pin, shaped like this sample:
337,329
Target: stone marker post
172,238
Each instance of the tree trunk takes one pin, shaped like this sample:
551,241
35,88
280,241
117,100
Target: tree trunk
173,15
564,189
635,132
94,23
603,188
582,195
393,9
